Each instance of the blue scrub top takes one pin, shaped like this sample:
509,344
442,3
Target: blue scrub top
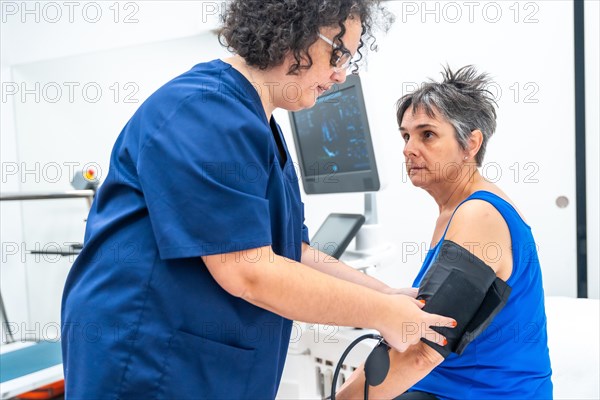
196,171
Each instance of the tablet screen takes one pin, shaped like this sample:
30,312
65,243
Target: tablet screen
336,233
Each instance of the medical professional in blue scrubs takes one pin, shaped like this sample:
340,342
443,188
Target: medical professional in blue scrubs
196,259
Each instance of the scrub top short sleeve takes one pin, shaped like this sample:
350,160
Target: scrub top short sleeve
192,182
195,171
305,238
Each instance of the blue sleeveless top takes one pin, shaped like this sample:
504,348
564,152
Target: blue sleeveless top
510,358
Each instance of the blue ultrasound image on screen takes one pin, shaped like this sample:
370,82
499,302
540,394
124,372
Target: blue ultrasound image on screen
335,132
333,142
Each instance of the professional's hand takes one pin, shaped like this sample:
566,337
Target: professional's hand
405,323
410,292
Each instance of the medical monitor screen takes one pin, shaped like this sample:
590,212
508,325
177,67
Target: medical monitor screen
336,233
333,142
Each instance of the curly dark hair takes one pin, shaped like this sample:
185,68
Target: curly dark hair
462,98
264,31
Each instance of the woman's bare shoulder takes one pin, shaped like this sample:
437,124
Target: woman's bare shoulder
492,188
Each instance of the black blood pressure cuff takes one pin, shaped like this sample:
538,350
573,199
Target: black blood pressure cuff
461,286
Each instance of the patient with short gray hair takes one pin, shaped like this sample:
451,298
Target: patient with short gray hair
446,127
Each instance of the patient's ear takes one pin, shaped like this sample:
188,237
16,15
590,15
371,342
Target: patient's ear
475,141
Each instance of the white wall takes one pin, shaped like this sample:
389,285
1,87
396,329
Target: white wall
13,283
45,30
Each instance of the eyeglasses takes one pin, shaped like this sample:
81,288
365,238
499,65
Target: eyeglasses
341,58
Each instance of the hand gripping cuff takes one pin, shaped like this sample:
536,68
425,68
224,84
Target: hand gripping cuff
461,286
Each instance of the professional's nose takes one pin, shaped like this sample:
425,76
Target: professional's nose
338,76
